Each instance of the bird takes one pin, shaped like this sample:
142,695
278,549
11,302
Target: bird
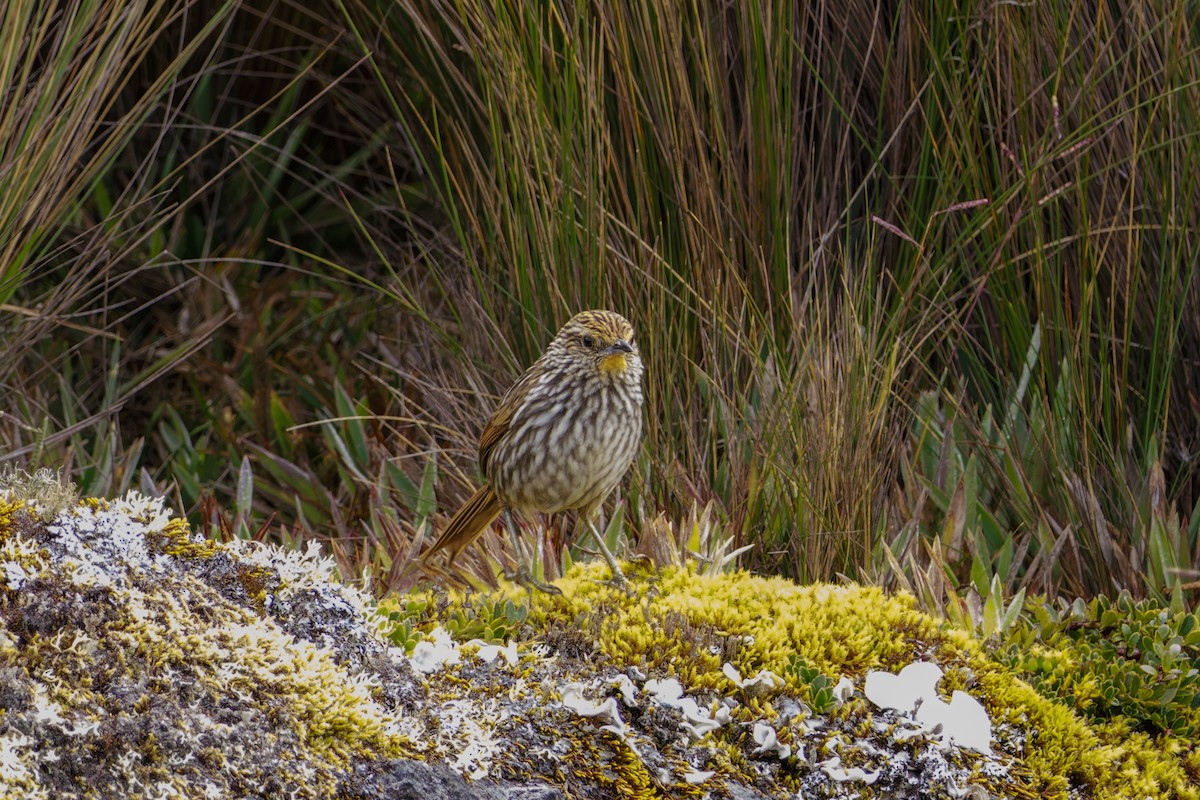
562,437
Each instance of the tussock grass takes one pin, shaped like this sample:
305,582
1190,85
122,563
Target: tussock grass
818,215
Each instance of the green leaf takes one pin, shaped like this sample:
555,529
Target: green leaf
427,498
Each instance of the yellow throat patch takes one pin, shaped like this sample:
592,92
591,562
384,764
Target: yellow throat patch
614,364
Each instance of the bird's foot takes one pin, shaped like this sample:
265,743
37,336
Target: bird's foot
523,577
620,584
618,579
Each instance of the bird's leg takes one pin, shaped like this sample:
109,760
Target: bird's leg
524,574
618,577
515,535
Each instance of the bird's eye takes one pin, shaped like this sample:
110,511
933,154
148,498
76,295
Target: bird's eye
589,342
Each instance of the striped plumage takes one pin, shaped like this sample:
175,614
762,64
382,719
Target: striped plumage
564,434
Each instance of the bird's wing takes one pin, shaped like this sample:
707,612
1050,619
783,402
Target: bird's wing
502,417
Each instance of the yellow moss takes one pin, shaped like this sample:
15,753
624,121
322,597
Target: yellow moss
1134,765
1190,761
175,540
836,629
687,625
1114,761
224,647
8,511
630,778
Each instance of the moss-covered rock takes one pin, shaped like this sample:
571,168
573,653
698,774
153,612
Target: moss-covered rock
818,644
138,660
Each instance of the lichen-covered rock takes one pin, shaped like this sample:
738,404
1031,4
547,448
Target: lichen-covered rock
690,689
139,660
708,686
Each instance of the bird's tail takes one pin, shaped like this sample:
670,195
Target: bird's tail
468,523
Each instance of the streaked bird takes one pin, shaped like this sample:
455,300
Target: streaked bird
563,435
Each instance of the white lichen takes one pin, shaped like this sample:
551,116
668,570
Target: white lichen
760,685
963,721
490,652
606,711
434,652
768,742
697,722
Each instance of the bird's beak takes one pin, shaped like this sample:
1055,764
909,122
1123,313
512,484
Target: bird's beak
619,346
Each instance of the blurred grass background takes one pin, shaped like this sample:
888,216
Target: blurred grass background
916,284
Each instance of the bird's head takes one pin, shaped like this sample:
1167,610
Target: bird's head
605,340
